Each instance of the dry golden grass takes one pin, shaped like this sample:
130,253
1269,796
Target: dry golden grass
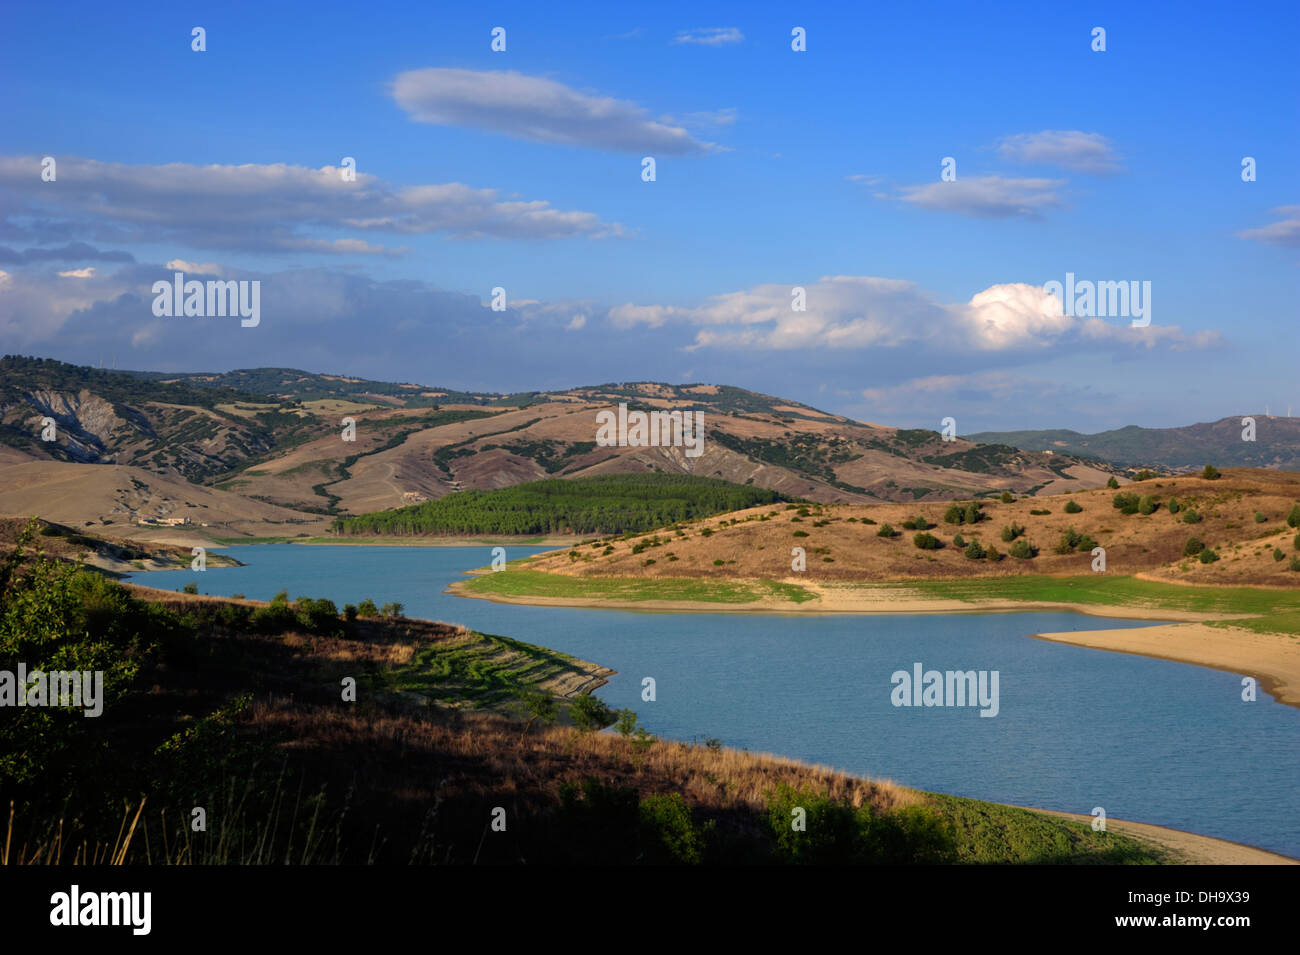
1135,544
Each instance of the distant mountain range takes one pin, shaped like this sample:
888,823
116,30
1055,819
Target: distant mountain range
1276,444
276,436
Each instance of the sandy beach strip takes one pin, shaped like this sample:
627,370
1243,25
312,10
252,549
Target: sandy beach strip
1271,658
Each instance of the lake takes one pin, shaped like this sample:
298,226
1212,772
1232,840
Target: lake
1148,740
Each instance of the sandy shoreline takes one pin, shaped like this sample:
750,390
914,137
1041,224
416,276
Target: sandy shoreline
1271,658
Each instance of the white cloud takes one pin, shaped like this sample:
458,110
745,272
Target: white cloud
987,197
859,312
537,109
710,36
87,272
1285,232
276,207
208,268
1069,149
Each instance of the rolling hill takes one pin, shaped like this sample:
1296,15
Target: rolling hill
1276,444
277,438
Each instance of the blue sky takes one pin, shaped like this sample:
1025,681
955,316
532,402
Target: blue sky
774,168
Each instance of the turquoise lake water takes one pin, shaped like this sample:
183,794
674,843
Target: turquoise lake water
1148,740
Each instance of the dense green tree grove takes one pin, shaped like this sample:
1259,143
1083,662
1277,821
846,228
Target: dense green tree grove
608,504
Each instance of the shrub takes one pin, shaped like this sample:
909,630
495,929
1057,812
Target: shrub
1073,507
1144,475
958,541
800,534
625,722
717,561
1112,483
1211,473
973,514
393,609
590,713
1041,513
191,588
1086,544
1125,502
1174,506
1207,556
1191,517
1293,516
1296,542
317,616
974,551
1068,541
886,530
991,553
925,541
1193,547
1147,505
350,612
367,608
954,515
1023,549
1277,553
1260,518
1295,562
668,833
1012,531
1007,498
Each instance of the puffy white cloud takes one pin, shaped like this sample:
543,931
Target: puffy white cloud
1067,148
858,312
87,272
537,109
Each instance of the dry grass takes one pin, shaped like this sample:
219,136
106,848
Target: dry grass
1152,544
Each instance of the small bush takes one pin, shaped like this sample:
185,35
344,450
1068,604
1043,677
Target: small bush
1193,547
1295,562
1023,549
1211,473
1293,516
800,534
954,515
926,541
1073,507
1277,553
1112,483
1260,517
886,530
590,713
191,588
367,608
1147,505
974,551
1191,517
1007,497
1012,531
1174,505
1207,556
1041,513
958,541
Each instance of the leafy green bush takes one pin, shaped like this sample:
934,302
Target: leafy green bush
367,608
1207,556
591,713
668,833
1023,549
1012,531
1211,473
974,551
1293,516
1147,504
1295,562
1174,505
1042,512
1073,507
926,541
1007,497
1112,483
958,541
1278,554
1260,517
1193,547
1125,502
886,530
